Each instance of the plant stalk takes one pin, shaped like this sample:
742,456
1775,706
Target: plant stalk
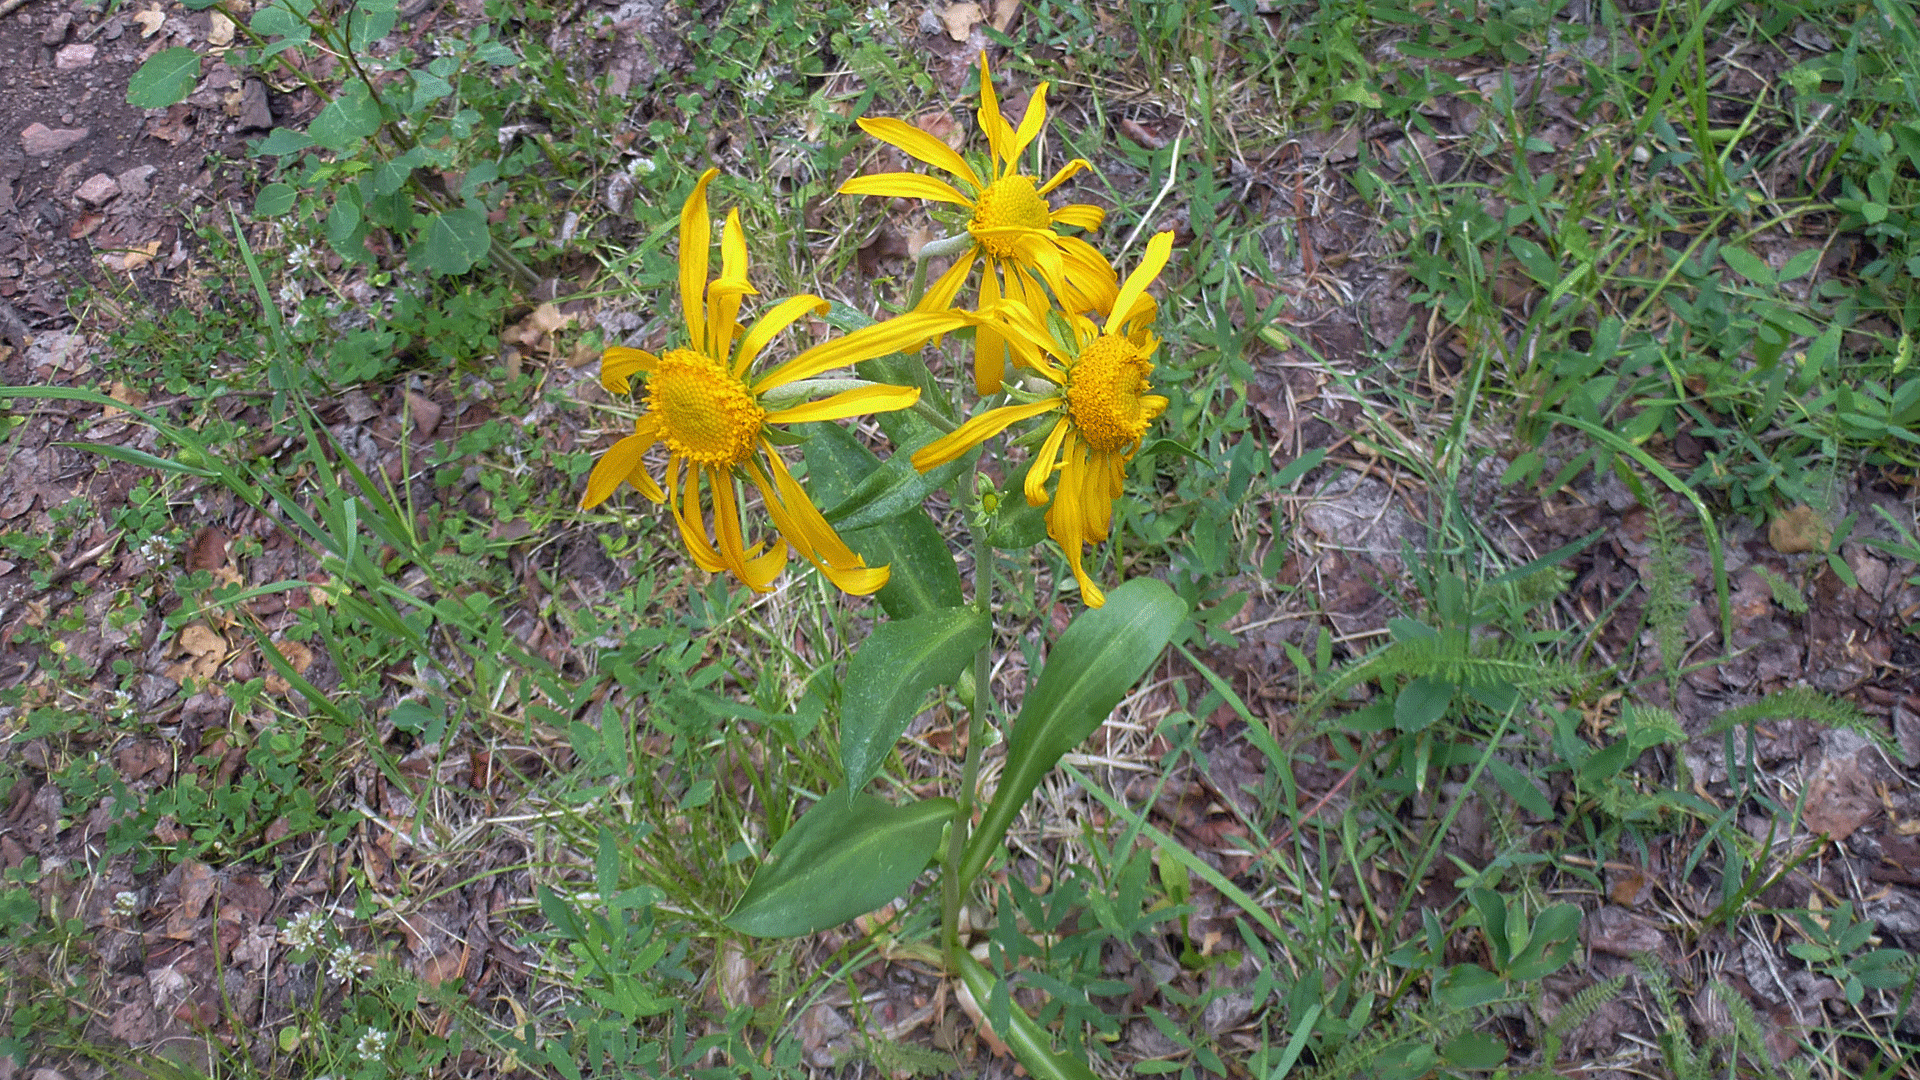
954,887
933,249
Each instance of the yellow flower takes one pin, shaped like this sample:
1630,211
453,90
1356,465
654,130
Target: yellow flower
1102,409
1012,224
703,402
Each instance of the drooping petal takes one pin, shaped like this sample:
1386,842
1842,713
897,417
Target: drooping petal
696,235
782,315
723,296
692,521
1030,124
939,295
1079,215
619,364
1046,462
810,534
918,144
989,348
902,333
999,135
905,185
1066,522
1159,250
622,461
726,527
1067,172
978,430
856,402
1089,278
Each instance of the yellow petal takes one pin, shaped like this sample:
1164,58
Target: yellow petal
618,365
999,135
782,315
1030,123
723,296
696,234
1067,172
800,522
902,333
1066,521
856,402
1045,463
1079,215
989,348
1089,278
693,532
978,430
726,527
940,295
621,461
905,185
921,146
1159,250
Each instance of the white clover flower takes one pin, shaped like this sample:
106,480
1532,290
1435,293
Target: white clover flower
301,259
373,1045
343,963
302,932
878,17
757,85
154,548
125,903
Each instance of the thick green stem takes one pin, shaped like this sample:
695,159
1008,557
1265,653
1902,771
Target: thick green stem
954,887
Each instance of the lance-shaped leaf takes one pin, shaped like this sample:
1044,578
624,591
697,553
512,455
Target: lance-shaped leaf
1026,1039
923,575
893,489
890,675
1090,668
844,857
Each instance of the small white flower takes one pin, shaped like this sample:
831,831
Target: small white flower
757,85
373,1045
302,932
125,903
343,963
155,548
301,259
878,16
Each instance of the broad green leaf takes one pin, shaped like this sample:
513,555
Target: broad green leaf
1473,1050
1299,467
165,79
843,858
894,488
1605,764
451,242
281,142
1556,935
370,21
1421,702
889,676
1748,265
279,21
274,200
1465,986
1027,1040
346,226
923,576
1520,789
351,116
1090,668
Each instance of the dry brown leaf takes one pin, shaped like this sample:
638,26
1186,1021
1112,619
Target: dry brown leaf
132,258
941,126
1003,13
1799,529
208,550
198,639
150,20
123,394
297,656
547,319
220,32
961,19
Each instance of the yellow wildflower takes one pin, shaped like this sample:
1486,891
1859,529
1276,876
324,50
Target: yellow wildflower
1012,225
714,416
1102,409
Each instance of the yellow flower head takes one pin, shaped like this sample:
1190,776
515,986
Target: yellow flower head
703,401
1101,410
1014,228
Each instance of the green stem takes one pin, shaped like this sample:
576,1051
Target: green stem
933,249
953,886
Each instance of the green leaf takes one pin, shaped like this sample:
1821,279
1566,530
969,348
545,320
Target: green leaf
282,141
894,488
165,79
451,242
1465,986
923,575
351,116
279,21
1473,1050
845,857
274,200
1520,789
1606,764
1421,702
1027,1040
1299,467
889,676
1748,265
1555,937
1017,526
1089,669
1800,265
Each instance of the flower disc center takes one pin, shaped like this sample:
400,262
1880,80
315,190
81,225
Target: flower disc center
1008,203
1104,389
709,415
